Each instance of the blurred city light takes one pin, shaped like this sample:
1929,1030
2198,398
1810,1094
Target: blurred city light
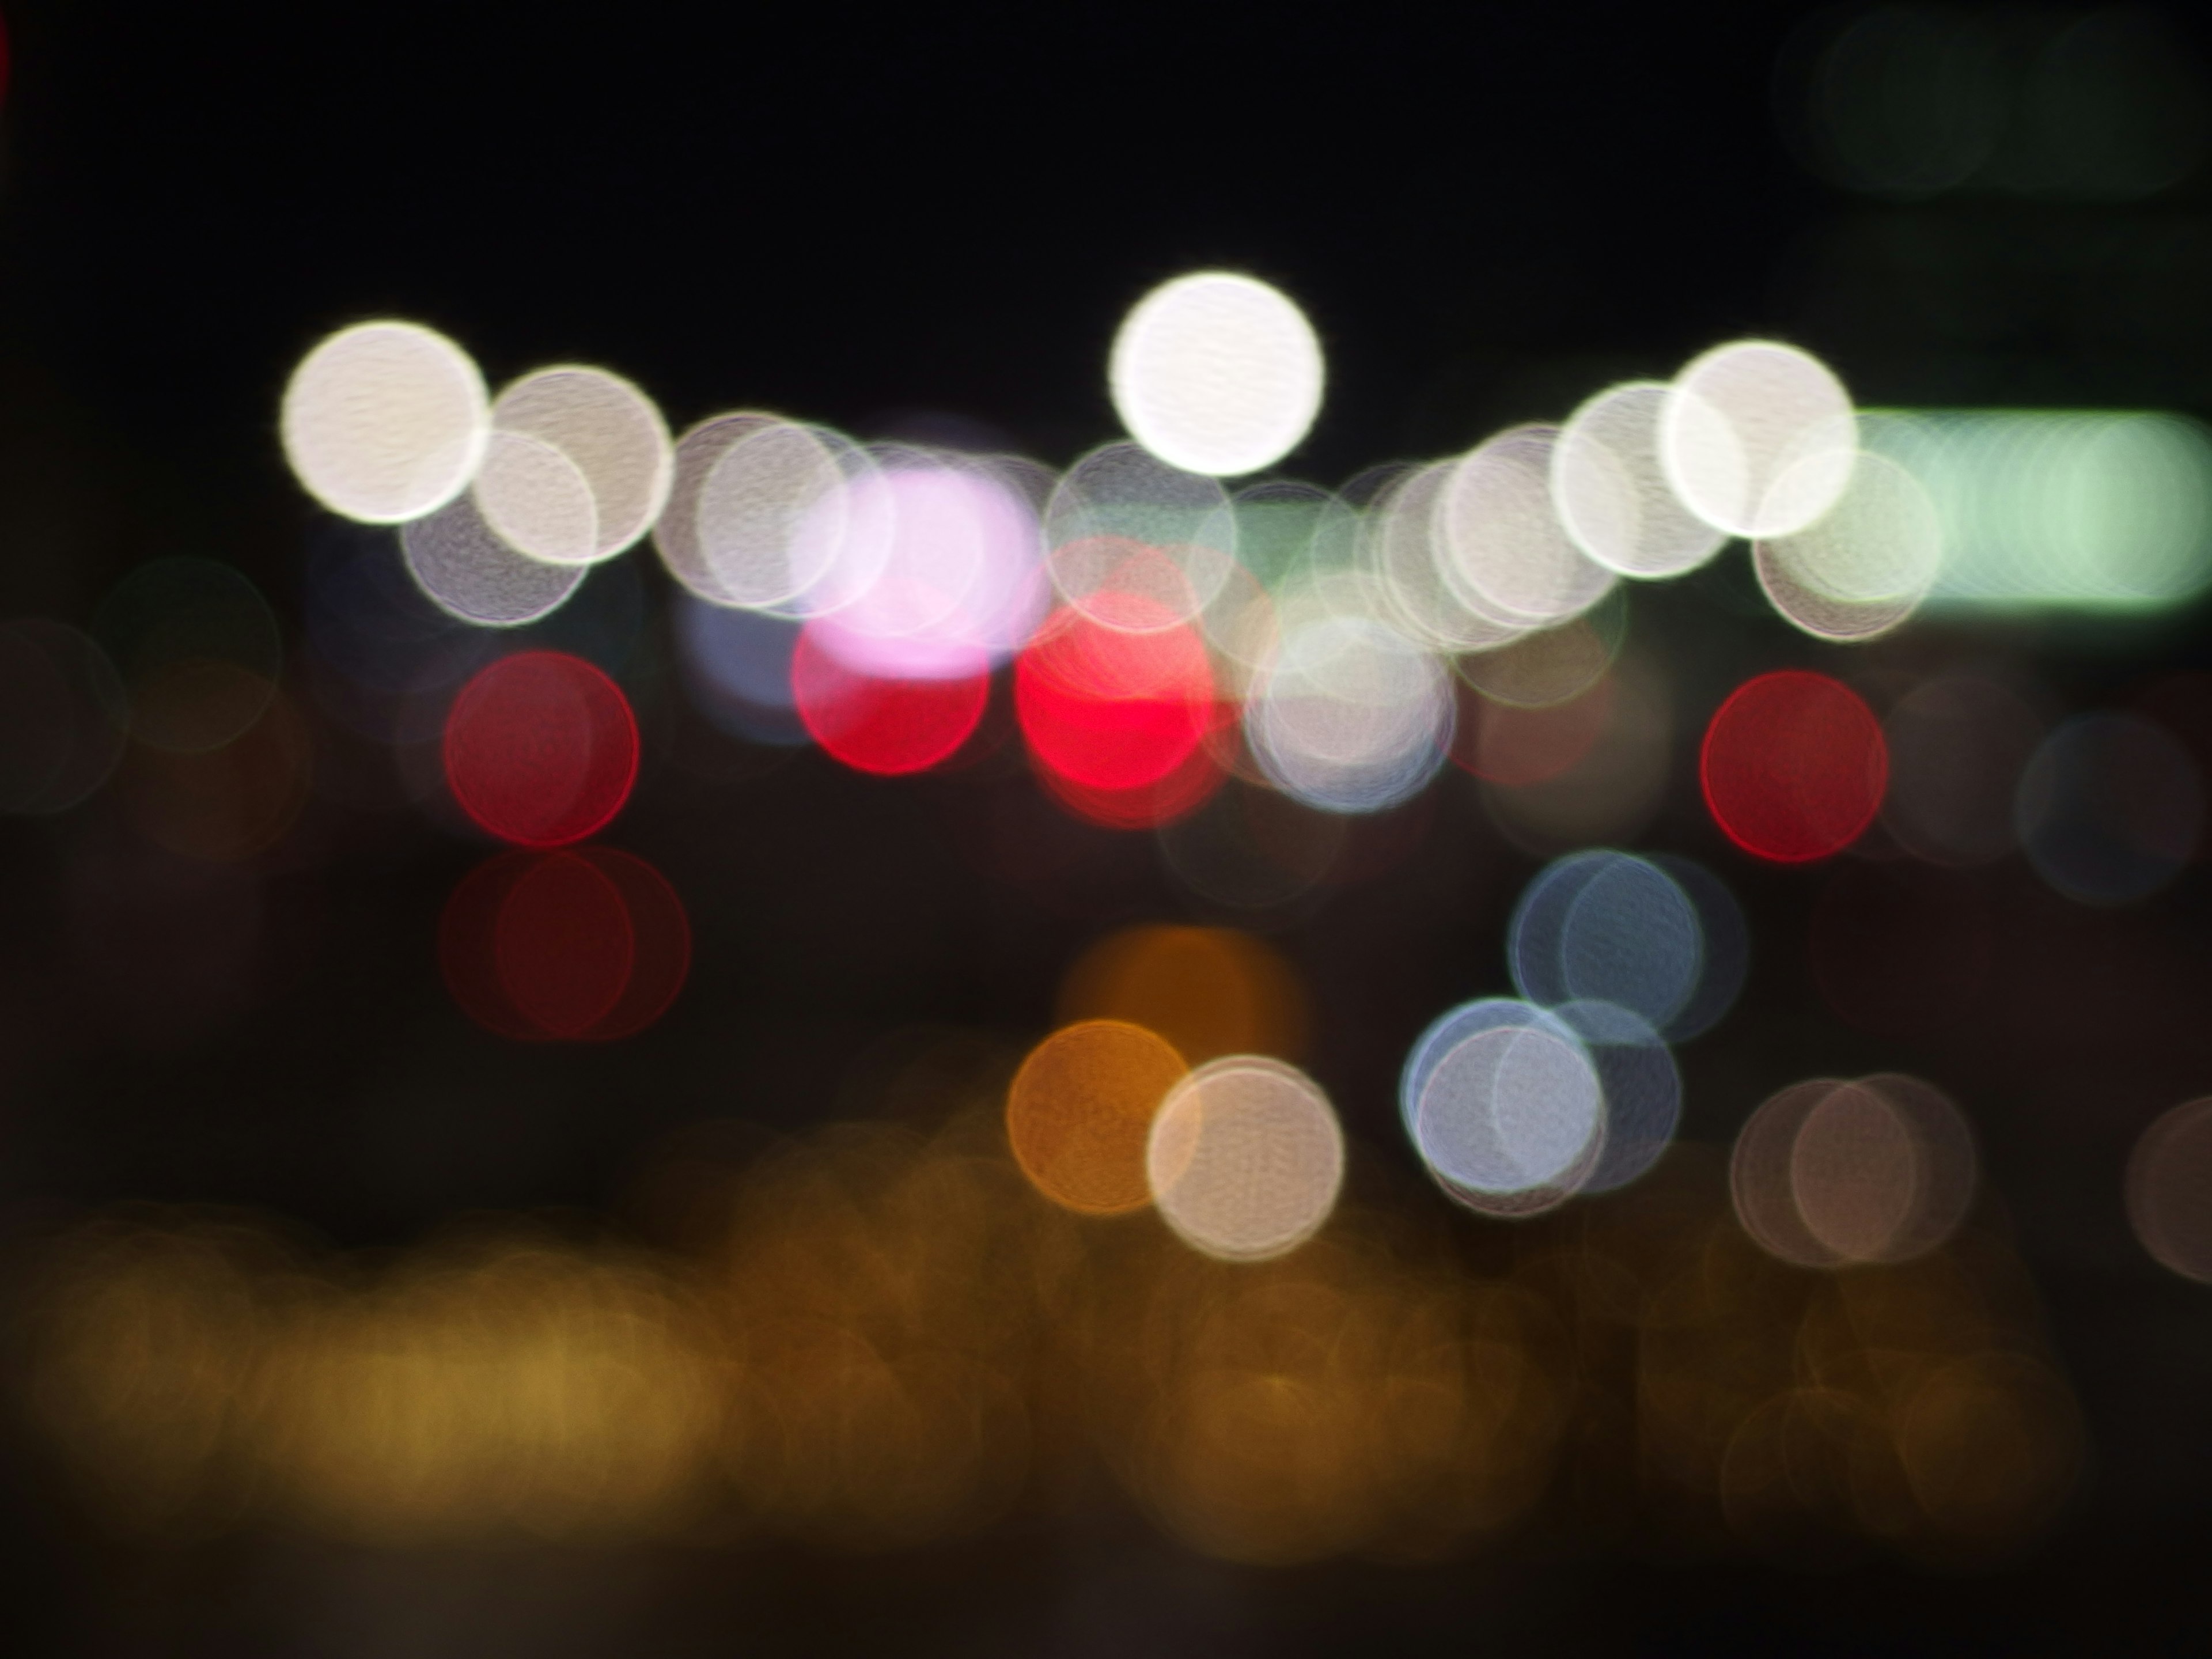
1209,991
386,421
1757,438
1079,1113
1794,766
1217,372
1611,490
1245,1158
541,749
2047,509
578,468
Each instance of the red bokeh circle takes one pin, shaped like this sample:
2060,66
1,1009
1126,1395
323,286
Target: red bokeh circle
1145,806
1794,766
877,724
587,943
1114,709
541,749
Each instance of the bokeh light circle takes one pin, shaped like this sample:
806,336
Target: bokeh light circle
880,723
1794,766
541,749
1217,372
1862,567
1611,490
385,422
1114,708
1827,1172
1499,541
1079,1113
469,571
1512,1109
1641,1086
610,434
1609,926
1758,438
1208,990
1350,715
1245,1159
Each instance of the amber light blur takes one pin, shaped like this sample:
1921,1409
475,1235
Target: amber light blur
879,1336
1209,991
1080,1109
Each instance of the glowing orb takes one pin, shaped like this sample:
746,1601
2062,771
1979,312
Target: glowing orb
614,446
385,422
1215,373
1080,1109
1758,438
878,723
1245,1159
1612,493
468,571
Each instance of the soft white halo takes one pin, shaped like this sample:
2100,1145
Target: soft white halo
771,515
1612,492
469,571
611,433
1398,549
1245,1158
1217,372
676,531
385,422
1511,1109
1758,438
1501,546
537,501
1862,567
1349,714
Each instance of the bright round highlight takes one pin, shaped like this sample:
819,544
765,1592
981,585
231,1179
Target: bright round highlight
1079,1112
1215,373
385,422
1350,715
1758,438
615,445
1862,567
1245,1159
1503,550
1502,1102
1612,493
1512,1109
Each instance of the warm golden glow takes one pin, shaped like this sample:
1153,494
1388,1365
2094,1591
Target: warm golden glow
1080,1108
